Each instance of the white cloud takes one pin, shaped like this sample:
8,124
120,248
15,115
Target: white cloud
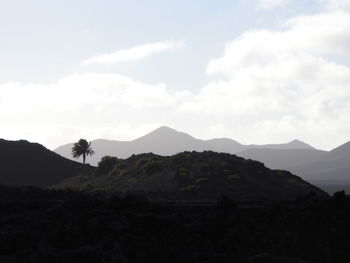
270,4
80,90
318,34
336,4
281,83
136,53
272,86
93,102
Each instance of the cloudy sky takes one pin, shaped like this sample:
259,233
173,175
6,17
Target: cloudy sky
257,71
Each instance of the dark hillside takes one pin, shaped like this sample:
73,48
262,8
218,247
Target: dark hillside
196,176
25,163
42,226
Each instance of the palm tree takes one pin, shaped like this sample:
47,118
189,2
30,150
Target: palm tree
82,147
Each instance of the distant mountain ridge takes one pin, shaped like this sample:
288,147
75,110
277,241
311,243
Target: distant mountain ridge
319,167
316,166
285,159
332,165
295,144
167,141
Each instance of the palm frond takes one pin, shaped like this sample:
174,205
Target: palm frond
82,147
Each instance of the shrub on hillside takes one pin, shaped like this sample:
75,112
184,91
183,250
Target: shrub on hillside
106,165
152,166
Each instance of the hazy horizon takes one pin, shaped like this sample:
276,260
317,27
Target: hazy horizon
171,128
258,72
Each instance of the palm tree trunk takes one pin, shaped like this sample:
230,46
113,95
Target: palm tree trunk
84,156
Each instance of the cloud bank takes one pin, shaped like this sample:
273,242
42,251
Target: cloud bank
135,53
268,86
270,4
283,82
337,4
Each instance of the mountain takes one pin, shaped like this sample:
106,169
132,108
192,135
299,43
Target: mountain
167,141
162,141
195,175
334,165
225,145
282,158
328,170
25,163
295,144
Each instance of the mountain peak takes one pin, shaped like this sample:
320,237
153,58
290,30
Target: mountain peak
164,133
165,129
342,148
300,144
296,142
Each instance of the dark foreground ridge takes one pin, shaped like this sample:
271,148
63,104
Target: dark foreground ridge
200,176
40,226
25,163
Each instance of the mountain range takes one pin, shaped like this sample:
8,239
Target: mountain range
316,166
167,141
198,176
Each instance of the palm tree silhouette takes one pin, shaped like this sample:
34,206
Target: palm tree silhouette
82,147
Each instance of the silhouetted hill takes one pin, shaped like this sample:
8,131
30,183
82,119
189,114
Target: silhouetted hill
25,163
167,141
194,175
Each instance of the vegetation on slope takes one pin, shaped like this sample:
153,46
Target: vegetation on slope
194,175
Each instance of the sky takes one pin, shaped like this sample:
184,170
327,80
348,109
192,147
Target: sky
256,71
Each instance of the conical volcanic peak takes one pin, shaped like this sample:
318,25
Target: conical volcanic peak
297,144
164,133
